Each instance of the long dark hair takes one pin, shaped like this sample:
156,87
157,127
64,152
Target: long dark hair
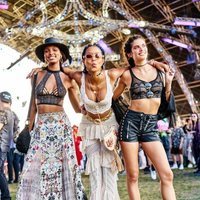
84,52
63,60
196,126
128,48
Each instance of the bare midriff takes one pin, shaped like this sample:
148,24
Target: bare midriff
49,108
147,106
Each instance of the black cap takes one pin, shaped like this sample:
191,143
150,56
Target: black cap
5,97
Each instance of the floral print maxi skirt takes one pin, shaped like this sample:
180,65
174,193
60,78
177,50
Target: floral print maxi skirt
50,171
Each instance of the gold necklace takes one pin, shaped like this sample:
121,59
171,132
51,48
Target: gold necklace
93,91
90,87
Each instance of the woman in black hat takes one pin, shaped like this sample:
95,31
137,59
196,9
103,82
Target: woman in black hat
51,170
96,87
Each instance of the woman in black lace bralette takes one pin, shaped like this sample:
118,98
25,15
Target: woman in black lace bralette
50,170
96,89
138,125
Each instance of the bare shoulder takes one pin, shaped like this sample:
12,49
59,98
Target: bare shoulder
77,77
126,73
67,81
40,75
126,77
115,73
65,77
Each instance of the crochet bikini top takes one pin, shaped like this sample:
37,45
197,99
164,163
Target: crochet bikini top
97,107
143,90
54,97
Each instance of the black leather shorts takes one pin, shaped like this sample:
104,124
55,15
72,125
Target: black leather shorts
138,127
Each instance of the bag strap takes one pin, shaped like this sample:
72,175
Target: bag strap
32,96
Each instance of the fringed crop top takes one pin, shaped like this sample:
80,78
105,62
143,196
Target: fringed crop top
97,107
143,90
55,97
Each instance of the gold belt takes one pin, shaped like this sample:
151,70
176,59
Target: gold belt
99,120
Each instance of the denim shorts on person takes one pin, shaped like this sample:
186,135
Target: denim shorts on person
138,127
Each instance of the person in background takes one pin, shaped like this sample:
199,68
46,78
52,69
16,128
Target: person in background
163,127
177,141
152,169
6,136
50,170
139,124
142,159
18,156
188,156
12,158
77,141
196,140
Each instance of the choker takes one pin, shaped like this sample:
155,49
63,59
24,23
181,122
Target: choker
141,65
52,71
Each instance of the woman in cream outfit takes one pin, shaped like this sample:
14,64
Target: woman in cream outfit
96,88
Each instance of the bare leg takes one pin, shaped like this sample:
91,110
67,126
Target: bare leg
181,158
130,155
157,154
174,159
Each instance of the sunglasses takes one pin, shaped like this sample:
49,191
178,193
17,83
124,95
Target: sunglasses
148,87
96,55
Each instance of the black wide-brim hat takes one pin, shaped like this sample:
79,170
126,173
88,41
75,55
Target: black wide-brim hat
39,51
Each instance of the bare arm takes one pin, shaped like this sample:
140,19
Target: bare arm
159,65
33,111
168,82
70,72
74,96
116,73
120,86
35,70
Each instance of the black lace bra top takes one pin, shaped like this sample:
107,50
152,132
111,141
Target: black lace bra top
143,90
55,97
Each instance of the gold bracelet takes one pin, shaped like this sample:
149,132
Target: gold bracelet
167,91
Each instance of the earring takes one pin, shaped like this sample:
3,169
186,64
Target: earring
61,60
45,61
